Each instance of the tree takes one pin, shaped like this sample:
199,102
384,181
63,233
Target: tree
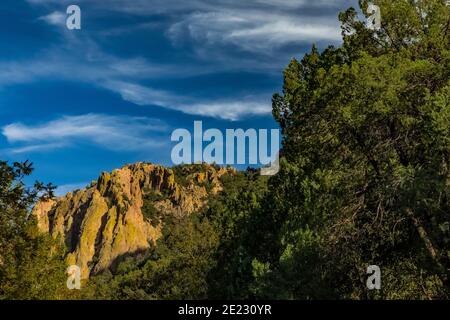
232,214
365,177
176,268
31,264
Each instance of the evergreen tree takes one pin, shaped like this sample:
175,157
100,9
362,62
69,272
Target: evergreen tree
31,264
365,177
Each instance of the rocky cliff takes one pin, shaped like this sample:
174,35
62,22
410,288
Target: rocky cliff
105,221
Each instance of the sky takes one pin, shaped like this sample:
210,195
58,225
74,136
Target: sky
79,102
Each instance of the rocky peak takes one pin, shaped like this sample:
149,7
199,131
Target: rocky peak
104,222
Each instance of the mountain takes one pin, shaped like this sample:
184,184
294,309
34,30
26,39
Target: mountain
120,213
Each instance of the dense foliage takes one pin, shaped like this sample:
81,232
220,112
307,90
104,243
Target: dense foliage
365,178
31,264
198,256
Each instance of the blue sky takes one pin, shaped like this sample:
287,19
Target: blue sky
78,102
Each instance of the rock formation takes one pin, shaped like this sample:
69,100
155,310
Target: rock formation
104,222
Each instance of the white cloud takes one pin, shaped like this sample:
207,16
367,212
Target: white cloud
56,18
253,31
142,95
251,25
121,76
86,63
222,109
34,148
147,7
229,110
261,28
121,133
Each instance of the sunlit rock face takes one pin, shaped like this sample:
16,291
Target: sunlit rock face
104,222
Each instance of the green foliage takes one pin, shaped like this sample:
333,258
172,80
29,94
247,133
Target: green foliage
176,269
183,173
366,132
364,178
31,264
232,212
148,209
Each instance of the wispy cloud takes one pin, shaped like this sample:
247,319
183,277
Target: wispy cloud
119,133
146,7
143,95
90,66
121,76
34,148
251,25
253,30
56,18
256,36
231,109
